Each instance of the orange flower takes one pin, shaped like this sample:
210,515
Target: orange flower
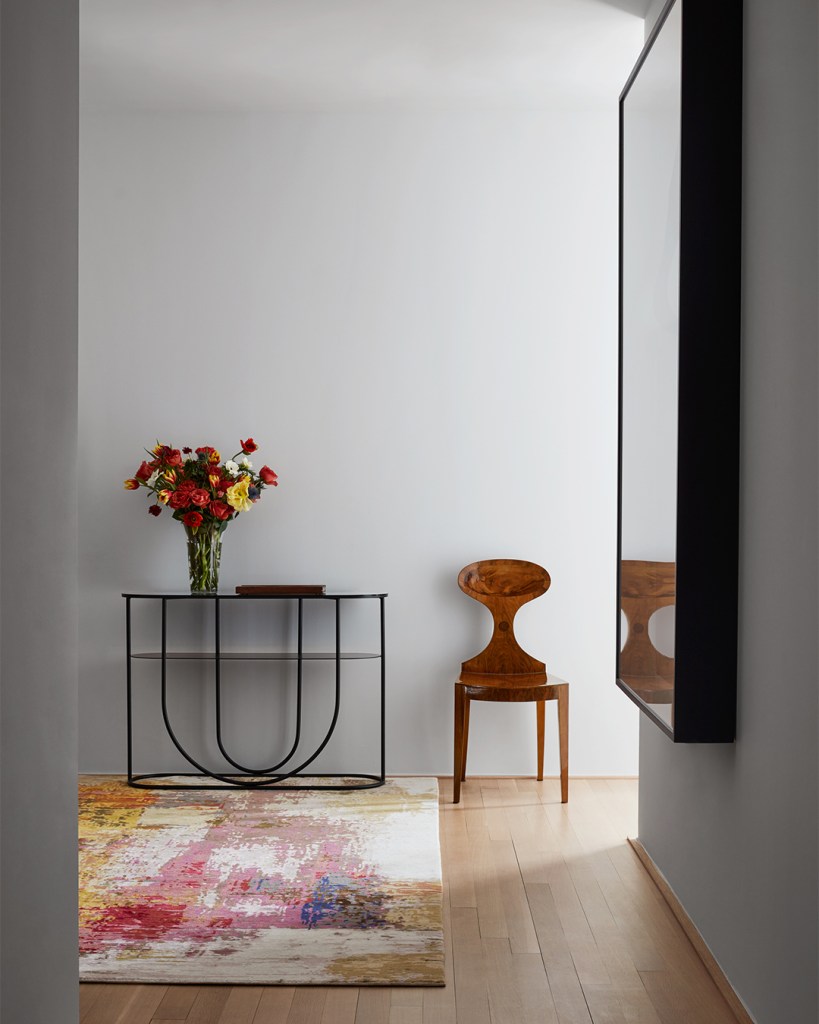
164,496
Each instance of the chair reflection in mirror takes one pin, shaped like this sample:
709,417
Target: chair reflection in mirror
645,587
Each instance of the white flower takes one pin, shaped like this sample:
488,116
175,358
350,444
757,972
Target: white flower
152,479
231,467
246,463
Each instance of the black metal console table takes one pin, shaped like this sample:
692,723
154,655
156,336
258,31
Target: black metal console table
276,776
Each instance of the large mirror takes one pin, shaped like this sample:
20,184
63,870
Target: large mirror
679,372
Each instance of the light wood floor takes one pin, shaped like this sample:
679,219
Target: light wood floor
549,918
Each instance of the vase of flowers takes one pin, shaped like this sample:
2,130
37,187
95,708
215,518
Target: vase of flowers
204,495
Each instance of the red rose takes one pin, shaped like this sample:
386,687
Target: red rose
249,446
180,498
192,519
199,496
220,510
268,476
143,472
173,457
154,510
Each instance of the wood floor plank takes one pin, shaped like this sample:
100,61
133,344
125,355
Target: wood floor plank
603,1005
584,951
509,789
406,997
461,879
208,1005
473,810
527,793
518,917
626,913
491,916
111,1004
241,1005
567,993
616,799
406,1015
494,802
307,1006
143,1006
89,994
680,990
177,1002
554,949
471,993
533,988
439,1004
274,1005
340,1006
548,791
466,933
654,914
510,1002
373,1006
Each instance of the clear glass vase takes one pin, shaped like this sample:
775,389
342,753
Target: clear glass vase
204,552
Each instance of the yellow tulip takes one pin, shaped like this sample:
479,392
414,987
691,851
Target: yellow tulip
237,496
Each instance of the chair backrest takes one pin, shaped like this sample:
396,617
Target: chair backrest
503,585
645,587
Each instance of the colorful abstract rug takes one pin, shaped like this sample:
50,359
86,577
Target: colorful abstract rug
243,887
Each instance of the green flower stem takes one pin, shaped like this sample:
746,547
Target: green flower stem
204,552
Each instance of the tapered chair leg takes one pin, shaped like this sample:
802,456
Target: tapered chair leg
541,731
458,765
563,728
467,703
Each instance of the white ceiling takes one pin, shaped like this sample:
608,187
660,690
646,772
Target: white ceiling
288,54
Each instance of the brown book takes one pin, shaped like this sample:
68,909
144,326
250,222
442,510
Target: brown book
281,588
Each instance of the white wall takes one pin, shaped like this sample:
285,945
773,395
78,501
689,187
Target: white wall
415,316
734,826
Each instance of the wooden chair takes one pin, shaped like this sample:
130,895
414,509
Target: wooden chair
645,587
503,671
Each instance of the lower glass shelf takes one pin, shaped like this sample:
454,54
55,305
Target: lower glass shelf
254,655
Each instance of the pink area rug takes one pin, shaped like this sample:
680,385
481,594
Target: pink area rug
238,886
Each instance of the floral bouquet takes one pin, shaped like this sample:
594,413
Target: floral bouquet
205,496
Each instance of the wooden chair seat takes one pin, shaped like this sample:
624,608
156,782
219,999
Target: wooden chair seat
483,686
503,671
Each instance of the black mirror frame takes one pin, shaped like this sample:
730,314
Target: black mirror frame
705,677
